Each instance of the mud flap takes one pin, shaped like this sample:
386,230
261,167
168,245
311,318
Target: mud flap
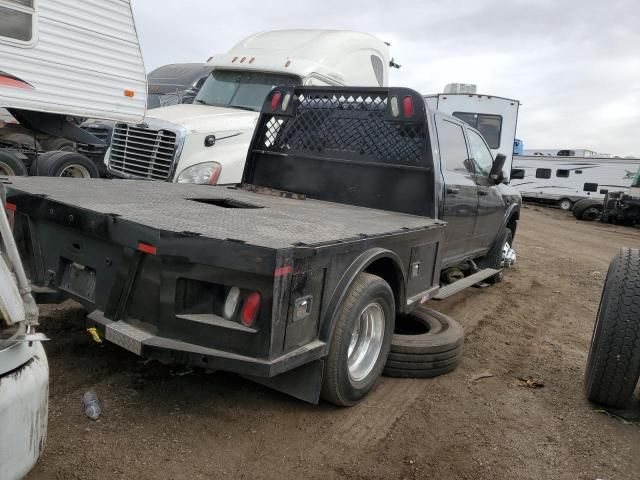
303,383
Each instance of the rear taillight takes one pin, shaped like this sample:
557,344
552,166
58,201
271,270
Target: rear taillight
250,309
275,100
407,105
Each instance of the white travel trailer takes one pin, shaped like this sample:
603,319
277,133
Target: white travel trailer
57,58
206,142
565,180
494,117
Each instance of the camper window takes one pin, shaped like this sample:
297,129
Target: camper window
453,148
562,173
517,173
543,173
16,20
590,187
490,126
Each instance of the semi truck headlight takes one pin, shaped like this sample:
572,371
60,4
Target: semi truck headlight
206,173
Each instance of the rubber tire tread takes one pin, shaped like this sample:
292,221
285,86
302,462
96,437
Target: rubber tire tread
613,366
50,163
447,339
578,211
14,162
431,373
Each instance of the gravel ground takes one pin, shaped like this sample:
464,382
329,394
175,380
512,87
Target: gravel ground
538,323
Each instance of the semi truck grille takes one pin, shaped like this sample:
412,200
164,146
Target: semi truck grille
142,152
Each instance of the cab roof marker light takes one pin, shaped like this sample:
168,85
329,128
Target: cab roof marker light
275,100
234,59
407,105
243,59
395,107
252,59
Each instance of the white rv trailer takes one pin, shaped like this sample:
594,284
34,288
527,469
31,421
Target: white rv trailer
57,58
49,61
494,117
565,180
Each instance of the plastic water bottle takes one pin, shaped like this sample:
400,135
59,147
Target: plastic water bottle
91,405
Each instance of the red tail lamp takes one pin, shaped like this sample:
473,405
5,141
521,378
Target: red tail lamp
275,100
407,105
250,309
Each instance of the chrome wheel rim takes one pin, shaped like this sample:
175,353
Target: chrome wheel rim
565,205
75,171
366,341
508,256
6,170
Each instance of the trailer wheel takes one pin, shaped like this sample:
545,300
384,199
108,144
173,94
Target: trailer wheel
613,366
565,204
10,165
360,342
58,143
64,164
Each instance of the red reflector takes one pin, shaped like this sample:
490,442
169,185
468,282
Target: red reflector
146,248
282,271
275,100
407,103
250,309
10,206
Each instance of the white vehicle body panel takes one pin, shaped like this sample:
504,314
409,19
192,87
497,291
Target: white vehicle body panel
452,103
318,57
607,174
24,398
83,56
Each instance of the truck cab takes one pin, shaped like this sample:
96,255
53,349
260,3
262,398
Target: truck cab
206,142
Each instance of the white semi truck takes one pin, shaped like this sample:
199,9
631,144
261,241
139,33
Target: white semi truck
206,142
57,58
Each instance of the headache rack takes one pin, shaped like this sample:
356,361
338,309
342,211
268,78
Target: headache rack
361,146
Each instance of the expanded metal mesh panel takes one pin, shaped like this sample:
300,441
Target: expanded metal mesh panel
350,127
142,152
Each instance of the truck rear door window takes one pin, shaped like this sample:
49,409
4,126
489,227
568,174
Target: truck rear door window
490,126
453,148
16,20
543,173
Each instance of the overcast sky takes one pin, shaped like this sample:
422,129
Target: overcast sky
574,64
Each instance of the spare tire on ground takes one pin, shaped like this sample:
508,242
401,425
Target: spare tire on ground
613,366
426,343
10,165
64,164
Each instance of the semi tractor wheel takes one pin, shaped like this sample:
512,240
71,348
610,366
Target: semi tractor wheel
425,344
613,366
587,209
10,165
60,144
64,164
360,342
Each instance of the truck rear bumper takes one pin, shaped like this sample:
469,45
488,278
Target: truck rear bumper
146,344
24,401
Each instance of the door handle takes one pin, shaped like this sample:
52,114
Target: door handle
483,192
453,190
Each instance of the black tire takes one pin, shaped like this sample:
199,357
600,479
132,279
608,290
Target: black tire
59,164
338,386
10,165
613,366
565,204
426,344
586,208
494,258
59,144
579,204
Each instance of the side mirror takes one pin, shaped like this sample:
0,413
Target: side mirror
496,169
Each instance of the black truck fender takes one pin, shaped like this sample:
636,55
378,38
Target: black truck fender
377,261
511,217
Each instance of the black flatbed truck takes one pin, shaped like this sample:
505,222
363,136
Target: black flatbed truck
292,278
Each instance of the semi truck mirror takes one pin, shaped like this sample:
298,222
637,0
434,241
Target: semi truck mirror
496,169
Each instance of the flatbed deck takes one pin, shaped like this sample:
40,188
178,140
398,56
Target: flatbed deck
222,213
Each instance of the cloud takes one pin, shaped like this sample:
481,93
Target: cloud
574,65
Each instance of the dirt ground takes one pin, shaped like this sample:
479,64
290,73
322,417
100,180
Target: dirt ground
538,323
